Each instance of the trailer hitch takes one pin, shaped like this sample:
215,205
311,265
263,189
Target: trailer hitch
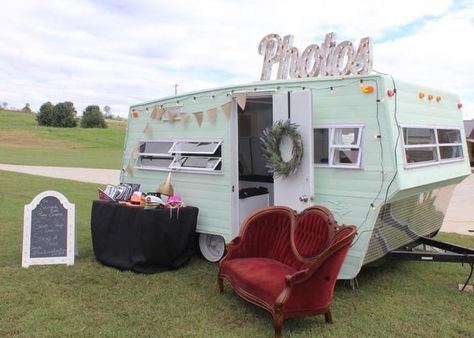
447,252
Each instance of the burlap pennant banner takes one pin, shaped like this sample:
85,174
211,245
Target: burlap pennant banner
241,100
227,109
212,115
198,116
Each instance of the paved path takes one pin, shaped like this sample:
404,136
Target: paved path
459,217
102,176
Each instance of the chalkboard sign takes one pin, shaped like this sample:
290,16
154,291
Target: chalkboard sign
48,230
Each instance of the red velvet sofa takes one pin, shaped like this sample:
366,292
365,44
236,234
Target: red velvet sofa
287,263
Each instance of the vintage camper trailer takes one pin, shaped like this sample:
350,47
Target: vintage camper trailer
381,154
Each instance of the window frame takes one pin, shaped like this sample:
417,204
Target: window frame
332,148
438,160
176,156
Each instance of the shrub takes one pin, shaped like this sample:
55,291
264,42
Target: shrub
45,115
92,118
59,115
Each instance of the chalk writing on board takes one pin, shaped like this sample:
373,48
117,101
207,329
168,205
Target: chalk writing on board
48,229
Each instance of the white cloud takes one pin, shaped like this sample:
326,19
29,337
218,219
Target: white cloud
119,53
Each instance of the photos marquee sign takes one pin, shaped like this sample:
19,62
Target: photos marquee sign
329,59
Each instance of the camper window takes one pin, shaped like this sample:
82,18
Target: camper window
338,146
195,147
431,145
182,155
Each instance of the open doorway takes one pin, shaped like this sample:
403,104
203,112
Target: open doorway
255,182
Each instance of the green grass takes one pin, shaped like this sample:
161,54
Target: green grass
402,299
22,141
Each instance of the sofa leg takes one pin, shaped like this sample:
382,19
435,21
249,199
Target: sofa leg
220,283
277,324
328,317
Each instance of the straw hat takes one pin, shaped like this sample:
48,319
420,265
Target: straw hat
166,188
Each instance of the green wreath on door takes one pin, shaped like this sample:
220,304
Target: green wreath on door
271,139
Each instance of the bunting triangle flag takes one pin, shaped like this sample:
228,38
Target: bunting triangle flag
198,117
147,129
212,115
227,109
157,113
241,100
134,152
184,117
171,116
129,168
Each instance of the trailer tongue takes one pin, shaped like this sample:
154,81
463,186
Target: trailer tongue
436,251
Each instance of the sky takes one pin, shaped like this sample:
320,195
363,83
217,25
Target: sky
120,53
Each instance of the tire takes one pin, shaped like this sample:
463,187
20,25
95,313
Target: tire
212,247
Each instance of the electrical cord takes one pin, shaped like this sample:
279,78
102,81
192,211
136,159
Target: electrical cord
372,205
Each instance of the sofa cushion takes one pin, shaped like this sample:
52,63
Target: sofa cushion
259,276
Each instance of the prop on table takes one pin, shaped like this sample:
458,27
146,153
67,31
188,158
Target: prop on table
174,202
152,201
166,188
121,192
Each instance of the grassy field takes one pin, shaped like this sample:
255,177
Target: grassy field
401,299
22,141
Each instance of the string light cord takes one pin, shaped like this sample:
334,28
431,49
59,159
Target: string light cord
173,103
382,167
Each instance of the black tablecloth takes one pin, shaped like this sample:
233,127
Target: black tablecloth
140,240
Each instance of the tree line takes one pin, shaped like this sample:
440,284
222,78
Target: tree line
63,114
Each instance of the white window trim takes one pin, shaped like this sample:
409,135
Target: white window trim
434,145
175,155
175,144
174,165
333,147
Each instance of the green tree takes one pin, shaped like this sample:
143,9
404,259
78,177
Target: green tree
26,108
62,114
108,113
92,118
45,115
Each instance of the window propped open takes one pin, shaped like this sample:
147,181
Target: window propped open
181,155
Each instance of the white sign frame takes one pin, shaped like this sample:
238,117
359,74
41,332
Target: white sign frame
71,231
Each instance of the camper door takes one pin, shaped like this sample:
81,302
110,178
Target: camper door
296,190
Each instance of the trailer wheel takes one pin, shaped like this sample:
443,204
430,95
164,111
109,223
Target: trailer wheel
212,247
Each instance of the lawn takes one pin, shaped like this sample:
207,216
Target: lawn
401,299
22,141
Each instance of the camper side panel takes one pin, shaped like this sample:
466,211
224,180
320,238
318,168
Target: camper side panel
196,119
355,194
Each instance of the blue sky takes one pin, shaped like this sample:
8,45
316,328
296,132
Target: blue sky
120,53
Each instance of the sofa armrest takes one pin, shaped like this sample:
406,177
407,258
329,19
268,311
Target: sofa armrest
321,274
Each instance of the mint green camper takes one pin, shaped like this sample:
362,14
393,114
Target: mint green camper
381,154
